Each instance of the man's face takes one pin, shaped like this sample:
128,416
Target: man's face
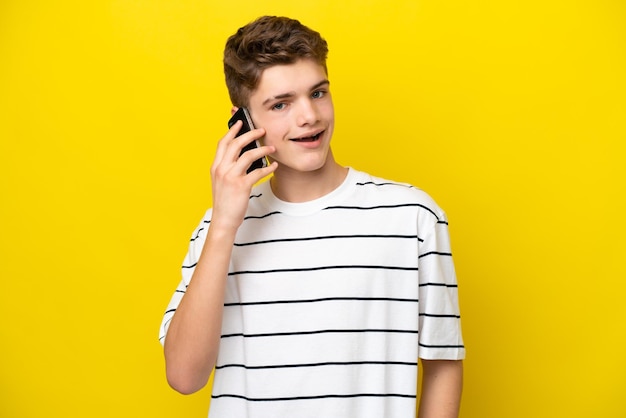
293,104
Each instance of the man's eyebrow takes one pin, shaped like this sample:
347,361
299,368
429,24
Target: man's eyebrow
292,93
320,84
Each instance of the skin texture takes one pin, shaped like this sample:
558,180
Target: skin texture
442,383
293,106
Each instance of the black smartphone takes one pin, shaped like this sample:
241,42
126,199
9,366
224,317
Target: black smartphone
243,115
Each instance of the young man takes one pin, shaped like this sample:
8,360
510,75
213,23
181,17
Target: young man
312,294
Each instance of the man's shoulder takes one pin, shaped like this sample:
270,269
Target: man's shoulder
384,188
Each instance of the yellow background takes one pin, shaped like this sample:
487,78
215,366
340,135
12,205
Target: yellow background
511,114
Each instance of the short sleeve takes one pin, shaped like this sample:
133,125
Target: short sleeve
189,264
440,336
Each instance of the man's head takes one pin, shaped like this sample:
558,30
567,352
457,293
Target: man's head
264,43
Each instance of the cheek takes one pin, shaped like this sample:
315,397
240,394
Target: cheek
328,111
274,133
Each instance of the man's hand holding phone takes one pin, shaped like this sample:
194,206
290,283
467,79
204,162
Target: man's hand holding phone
240,162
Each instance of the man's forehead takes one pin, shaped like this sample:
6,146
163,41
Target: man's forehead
300,72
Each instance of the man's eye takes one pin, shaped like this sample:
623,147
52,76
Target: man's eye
278,106
318,94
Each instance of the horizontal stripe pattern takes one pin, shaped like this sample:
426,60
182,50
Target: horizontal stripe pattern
357,284
347,363
319,331
326,396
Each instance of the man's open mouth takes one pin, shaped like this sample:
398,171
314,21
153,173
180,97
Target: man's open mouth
312,138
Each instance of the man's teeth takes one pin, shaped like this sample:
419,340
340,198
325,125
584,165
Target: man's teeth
307,139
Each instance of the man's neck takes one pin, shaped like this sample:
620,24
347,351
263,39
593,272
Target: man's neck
298,187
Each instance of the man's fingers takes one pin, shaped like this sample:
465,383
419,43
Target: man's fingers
223,144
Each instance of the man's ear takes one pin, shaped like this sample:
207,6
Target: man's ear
233,110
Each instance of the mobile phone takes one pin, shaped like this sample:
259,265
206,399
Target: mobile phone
243,115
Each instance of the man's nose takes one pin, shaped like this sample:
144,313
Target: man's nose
307,113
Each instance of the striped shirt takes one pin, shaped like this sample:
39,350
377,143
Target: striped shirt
330,303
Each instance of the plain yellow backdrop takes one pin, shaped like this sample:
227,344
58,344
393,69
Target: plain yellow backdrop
511,114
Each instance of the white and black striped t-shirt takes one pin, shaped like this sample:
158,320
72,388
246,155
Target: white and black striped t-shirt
329,303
